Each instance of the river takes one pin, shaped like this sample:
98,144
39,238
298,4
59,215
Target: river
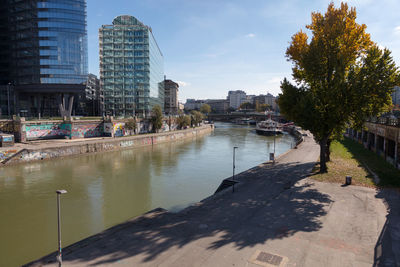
109,188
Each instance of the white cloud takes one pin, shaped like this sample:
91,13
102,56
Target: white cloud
250,35
397,30
275,80
182,83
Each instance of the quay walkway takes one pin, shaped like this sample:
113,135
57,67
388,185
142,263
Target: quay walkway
277,216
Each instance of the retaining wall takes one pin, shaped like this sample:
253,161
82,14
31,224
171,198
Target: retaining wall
65,129
109,144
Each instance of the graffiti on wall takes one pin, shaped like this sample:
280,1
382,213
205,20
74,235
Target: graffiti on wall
87,130
45,131
7,126
6,154
144,127
108,127
127,143
119,129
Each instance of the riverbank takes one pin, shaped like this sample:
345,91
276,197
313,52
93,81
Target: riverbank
49,149
276,215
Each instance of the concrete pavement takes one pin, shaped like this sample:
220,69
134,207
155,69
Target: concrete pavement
276,217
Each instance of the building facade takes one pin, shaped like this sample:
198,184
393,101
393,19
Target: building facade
219,106
268,99
236,98
193,104
94,97
43,54
396,96
131,68
171,97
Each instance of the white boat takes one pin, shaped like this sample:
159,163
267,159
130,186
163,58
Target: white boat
269,127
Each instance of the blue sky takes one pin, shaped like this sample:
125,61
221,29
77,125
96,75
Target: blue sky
212,46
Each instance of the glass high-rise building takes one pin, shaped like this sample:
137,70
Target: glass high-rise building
46,48
131,68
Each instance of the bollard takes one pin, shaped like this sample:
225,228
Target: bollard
348,180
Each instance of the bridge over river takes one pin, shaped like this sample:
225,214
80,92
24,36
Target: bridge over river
250,115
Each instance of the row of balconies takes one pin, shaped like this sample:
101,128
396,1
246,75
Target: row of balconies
104,41
391,121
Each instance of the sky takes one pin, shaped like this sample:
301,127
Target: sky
213,46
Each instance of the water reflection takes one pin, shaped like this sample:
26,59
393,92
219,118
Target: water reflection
106,189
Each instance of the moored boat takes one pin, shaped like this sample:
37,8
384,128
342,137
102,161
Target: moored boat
269,127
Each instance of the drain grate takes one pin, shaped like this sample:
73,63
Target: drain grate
269,258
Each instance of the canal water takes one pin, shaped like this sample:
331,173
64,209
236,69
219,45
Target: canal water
109,188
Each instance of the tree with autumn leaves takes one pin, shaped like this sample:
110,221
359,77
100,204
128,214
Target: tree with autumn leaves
341,77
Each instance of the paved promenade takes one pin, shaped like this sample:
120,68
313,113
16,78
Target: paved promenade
275,217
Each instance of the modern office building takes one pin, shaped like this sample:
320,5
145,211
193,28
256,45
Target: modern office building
43,57
171,89
131,68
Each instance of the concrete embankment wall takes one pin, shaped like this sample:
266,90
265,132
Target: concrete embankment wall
295,132
108,144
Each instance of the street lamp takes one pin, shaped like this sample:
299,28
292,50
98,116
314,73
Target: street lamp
233,168
59,256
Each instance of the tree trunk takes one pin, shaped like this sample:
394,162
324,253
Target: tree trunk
322,155
328,150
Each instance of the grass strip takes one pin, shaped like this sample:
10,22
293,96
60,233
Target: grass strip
349,158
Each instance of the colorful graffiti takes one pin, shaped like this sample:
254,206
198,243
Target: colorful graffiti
7,138
46,131
6,154
87,130
119,129
147,141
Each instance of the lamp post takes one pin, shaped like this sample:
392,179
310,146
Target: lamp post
59,256
233,168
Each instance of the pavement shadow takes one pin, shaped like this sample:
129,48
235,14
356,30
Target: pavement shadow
387,248
265,207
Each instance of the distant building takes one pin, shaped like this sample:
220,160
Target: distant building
181,106
266,99
250,98
94,97
219,106
131,68
236,98
396,95
192,104
171,97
